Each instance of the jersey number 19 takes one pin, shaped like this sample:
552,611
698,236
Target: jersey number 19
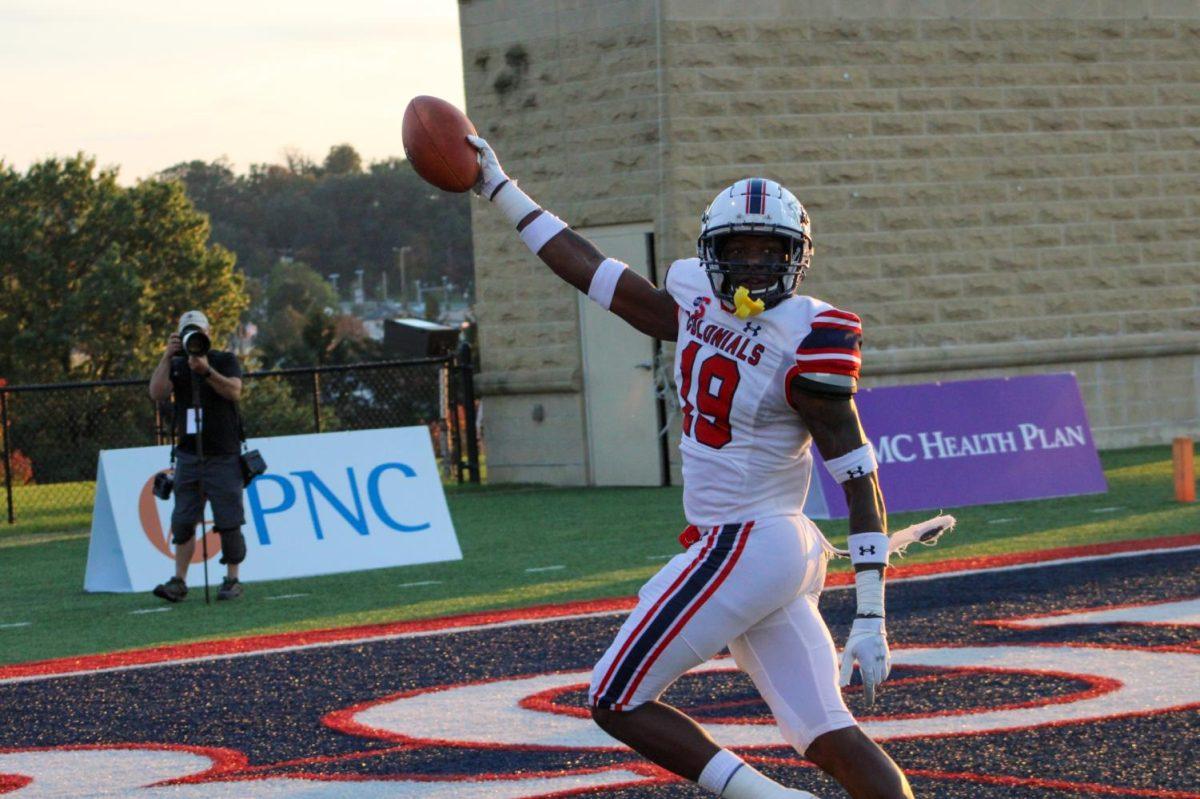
708,420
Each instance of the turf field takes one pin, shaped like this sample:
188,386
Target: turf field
1007,683
521,545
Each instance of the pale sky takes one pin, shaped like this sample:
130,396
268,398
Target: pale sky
144,84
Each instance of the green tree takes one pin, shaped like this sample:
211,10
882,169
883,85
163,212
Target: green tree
295,316
343,160
94,275
337,216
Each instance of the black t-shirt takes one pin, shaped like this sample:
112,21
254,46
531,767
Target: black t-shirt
220,416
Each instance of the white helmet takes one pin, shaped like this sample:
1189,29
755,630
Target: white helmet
756,205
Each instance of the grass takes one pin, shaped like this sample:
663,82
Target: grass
607,541
63,509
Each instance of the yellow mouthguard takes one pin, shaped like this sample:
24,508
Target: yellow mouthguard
743,306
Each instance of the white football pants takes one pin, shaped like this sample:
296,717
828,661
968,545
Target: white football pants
753,587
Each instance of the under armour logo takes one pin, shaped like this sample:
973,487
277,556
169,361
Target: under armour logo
867,550
751,329
693,323
857,471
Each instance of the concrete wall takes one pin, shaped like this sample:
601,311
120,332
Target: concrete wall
994,190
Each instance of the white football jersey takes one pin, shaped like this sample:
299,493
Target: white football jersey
746,454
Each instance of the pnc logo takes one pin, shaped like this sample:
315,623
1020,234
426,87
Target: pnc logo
347,503
324,501
159,537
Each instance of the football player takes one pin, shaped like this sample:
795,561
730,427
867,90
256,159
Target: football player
763,373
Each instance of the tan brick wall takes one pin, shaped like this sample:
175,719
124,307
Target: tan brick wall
983,178
974,180
567,93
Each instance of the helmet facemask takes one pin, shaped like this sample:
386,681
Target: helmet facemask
771,282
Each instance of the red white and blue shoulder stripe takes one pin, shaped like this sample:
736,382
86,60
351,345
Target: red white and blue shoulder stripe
829,357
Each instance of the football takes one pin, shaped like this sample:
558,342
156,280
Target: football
435,143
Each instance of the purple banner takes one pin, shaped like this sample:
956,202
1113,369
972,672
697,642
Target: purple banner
972,442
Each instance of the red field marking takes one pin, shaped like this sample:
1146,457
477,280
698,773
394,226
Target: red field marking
266,643
13,782
1014,622
231,766
343,721
1087,788
547,701
324,760
254,774
224,760
280,641
902,572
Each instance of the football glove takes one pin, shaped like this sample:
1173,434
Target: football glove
868,645
927,532
491,175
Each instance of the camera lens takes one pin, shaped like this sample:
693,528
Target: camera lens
195,342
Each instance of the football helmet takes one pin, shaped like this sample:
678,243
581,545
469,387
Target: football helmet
757,206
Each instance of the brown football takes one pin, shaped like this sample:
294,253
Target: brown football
435,142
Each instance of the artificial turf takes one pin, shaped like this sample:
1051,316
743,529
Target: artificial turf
583,543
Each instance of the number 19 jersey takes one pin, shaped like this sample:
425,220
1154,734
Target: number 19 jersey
746,454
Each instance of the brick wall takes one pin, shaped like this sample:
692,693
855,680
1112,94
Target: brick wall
994,185
990,187
568,94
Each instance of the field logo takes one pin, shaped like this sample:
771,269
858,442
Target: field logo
529,735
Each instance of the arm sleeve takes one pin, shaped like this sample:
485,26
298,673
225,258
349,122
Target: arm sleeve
829,357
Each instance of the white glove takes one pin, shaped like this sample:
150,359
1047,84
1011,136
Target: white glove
868,645
927,532
491,175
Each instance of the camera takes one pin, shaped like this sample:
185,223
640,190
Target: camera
195,341
164,484
253,464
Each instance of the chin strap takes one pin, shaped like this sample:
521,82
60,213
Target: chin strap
743,306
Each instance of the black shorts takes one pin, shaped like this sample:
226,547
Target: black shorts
222,486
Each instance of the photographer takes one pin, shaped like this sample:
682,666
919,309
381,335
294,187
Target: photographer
188,364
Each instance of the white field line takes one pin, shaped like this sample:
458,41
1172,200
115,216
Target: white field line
285,596
148,610
15,624
518,622
546,568
419,583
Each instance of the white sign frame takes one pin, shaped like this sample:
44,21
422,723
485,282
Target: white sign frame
328,503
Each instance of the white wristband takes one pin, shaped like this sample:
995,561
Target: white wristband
514,203
856,463
544,227
604,282
869,588
868,548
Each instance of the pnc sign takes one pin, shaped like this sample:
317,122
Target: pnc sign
331,502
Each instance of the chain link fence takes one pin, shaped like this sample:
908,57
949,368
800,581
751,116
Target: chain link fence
51,435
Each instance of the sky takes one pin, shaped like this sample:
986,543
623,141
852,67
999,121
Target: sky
145,84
